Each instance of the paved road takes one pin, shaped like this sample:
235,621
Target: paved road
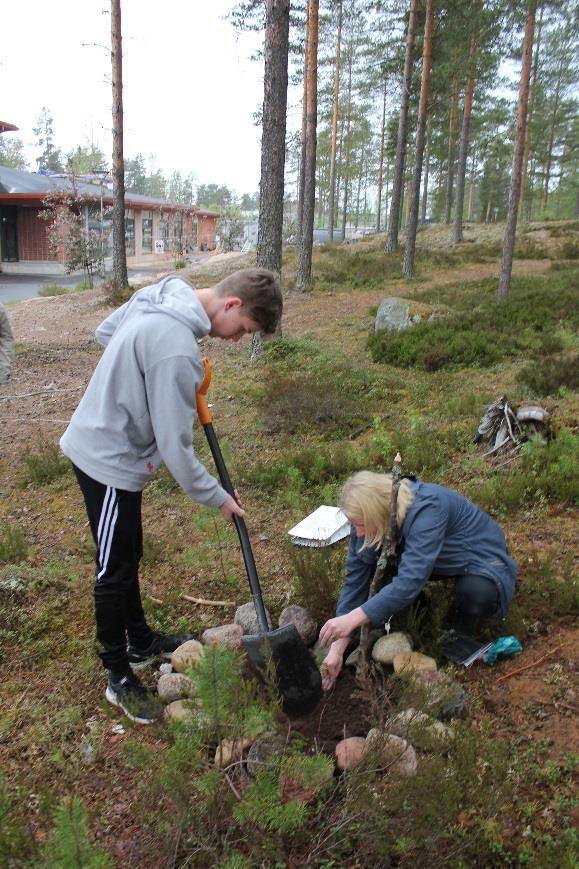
14,288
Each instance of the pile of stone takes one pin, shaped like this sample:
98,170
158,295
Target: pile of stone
394,747
177,691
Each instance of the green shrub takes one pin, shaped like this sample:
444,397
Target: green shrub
318,577
323,391
70,845
45,465
542,472
52,290
481,331
547,375
310,466
13,546
180,264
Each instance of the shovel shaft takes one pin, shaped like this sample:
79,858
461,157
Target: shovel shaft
241,529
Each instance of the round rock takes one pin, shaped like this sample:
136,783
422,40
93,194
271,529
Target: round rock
409,662
304,623
180,710
393,751
421,730
174,686
187,655
230,750
246,618
350,751
264,748
386,648
228,636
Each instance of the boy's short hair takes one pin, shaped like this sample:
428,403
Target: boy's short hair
260,293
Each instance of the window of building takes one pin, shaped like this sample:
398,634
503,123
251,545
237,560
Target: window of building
129,232
100,227
163,228
147,231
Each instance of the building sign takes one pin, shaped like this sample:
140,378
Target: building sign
159,245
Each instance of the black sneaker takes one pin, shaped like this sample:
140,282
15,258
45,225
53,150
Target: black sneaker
134,699
161,646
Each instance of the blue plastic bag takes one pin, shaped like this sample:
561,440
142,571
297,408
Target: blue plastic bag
505,647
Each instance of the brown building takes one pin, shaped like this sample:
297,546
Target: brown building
155,229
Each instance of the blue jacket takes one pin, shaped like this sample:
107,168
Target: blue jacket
443,534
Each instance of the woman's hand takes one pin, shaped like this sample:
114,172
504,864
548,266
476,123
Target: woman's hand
342,626
332,666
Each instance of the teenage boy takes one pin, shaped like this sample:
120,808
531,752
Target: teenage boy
138,411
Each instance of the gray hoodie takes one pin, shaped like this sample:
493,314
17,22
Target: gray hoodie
139,407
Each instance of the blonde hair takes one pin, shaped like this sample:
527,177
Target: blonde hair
365,499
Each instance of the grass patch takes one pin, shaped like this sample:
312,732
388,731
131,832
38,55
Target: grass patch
306,387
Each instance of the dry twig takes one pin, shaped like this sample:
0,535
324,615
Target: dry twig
528,666
202,602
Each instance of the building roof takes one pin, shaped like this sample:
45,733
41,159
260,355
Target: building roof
5,127
17,185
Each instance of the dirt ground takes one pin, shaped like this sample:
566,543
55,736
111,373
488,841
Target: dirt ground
57,356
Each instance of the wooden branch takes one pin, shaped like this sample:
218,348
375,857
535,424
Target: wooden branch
202,602
528,666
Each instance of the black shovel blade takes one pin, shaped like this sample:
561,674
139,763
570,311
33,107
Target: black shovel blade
298,679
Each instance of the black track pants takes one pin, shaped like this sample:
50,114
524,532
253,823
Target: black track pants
476,598
115,521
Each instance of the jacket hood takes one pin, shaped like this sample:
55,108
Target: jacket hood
176,298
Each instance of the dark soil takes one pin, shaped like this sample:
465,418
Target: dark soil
344,712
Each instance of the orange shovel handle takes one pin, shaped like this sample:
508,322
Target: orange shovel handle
203,411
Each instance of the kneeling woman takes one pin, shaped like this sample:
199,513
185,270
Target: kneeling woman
440,534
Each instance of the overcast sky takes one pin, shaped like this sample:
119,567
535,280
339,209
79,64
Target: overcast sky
189,86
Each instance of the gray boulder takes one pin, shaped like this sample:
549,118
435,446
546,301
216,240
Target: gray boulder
393,315
246,618
388,646
228,636
304,623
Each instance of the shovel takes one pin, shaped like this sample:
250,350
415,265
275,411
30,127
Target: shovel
298,679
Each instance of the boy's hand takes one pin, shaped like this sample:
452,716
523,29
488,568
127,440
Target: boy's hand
231,508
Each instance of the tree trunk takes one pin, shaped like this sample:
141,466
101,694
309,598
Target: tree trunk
471,189
398,182
334,146
525,201
271,186
381,160
426,171
119,277
552,139
346,164
515,189
465,133
304,271
302,172
452,121
412,224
